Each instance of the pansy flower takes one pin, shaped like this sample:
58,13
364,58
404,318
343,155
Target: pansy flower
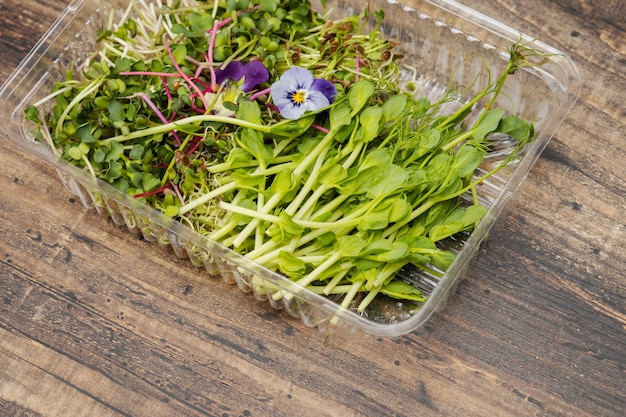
253,73
298,91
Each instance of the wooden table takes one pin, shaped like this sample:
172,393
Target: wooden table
96,322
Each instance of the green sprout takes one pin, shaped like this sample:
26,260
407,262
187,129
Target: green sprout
337,199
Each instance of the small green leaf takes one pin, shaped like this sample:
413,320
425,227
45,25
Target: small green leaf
32,113
117,112
393,107
370,120
136,152
116,151
284,182
285,228
292,128
517,128
360,93
172,211
250,112
252,141
268,5
149,182
333,176
75,153
488,124
442,259
84,134
290,265
403,291
340,115
349,245
467,159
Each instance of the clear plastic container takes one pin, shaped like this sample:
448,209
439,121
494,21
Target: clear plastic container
439,38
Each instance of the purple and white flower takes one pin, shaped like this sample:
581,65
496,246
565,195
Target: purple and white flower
298,91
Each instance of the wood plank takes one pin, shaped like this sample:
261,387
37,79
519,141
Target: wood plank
96,321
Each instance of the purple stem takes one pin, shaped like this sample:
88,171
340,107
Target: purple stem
178,194
159,114
259,94
182,74
210,52
156,74
153,192
320,128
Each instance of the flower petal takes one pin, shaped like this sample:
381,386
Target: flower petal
316,100
297,78
253,73
290,111
325,87
232,71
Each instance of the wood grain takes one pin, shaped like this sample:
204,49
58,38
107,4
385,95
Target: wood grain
94,321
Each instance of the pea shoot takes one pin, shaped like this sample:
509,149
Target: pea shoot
288,137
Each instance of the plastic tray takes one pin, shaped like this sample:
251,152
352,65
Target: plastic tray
441,38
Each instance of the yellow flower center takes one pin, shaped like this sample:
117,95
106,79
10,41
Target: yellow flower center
299,97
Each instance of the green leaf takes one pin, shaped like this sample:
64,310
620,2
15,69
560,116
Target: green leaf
284,183
333,176
115,153
149,182
443,259
370,120
326,239
268,5
340,115
349,245
393,107
172,211
246,181
397,252
136,152
403,291
517,128
467,159
418,243
360,93
99,154
285,228
292,128
250,112
400,209
75,153
474,214
459,220
237,158
290,265
488,124
117,112
84,134
375,220
377,246
32,113
122,65
114,171
252,141
180,53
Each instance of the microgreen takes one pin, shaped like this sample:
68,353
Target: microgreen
287,137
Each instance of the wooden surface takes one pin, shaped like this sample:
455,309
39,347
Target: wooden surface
96,322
